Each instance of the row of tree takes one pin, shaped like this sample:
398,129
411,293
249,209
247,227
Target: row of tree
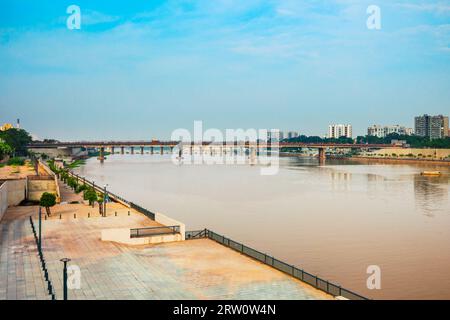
89,193
413,141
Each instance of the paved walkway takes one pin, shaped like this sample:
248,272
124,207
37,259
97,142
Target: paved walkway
21,277
194,269
67,195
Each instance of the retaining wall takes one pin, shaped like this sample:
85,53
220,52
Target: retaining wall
3,198
123,235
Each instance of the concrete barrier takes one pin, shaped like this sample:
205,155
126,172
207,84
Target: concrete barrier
166,221
12,193
123,235
16,190
3,198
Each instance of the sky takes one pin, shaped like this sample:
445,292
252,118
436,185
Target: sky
142,69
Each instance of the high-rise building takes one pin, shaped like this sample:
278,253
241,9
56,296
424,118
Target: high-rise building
383,131
280,135
292,134
433,127
339,130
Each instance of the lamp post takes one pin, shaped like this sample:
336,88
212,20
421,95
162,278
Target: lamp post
65,260
40,228
105,194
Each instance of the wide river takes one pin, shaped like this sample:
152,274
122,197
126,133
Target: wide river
333,220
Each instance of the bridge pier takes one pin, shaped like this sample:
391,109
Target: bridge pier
322,156
101,154
161,150
151,150
132,150
142,150
112,150
122,150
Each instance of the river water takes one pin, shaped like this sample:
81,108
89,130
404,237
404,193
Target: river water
333,220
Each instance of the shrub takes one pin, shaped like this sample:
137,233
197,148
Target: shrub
47,200
91,196
16,161
80,188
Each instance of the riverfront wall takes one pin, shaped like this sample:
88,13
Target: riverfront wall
424,153
37,186
12,193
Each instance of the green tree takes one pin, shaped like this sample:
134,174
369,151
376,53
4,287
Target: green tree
91,196
72,182
47,200
5,149
80,188
17,139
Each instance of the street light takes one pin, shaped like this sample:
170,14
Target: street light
65,260
105,194
40,228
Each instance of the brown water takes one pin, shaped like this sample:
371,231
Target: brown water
333,220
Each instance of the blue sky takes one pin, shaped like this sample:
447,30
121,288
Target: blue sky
141,69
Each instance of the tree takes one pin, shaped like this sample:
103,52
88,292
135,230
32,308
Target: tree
100,200
48,200
72,182
17,139
5,149
80,188
91,196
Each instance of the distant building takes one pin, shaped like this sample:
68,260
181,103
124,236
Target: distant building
339,130
433,127
280,135
292,134
383,131
6,126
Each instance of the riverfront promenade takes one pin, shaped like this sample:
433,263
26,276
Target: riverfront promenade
193,269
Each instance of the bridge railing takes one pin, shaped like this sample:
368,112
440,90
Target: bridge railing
300,274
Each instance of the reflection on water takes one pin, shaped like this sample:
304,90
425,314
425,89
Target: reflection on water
333,220
430,192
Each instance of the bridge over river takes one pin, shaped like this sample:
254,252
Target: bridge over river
212,147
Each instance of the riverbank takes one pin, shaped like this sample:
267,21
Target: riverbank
369,160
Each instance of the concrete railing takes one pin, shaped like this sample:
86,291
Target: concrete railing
166,221
124,235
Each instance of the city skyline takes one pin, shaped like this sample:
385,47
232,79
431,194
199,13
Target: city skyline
143,70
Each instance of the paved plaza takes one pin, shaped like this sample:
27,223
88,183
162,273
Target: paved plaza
194,269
